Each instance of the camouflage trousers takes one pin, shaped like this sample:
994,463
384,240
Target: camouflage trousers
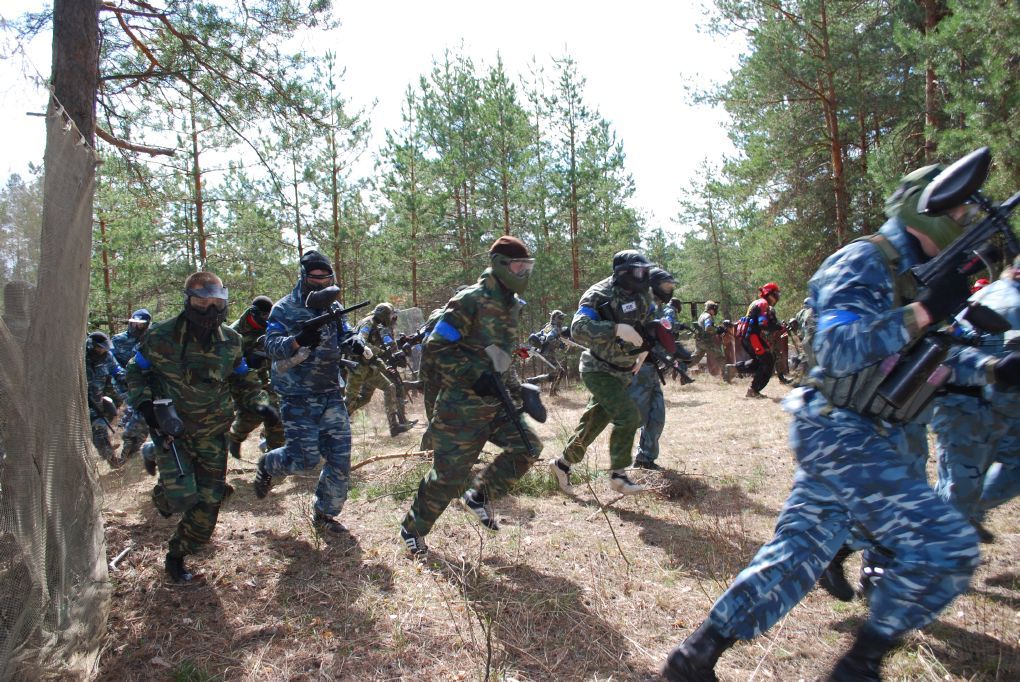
972,434
430,391
191,484
714,353
609,402
646,392
316,427
461,425
362,383
135,432
851,478
246,421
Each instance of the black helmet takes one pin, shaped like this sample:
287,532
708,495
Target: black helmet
313,260
630,270
98,343
656,278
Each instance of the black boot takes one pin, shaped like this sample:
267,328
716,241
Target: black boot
263,479
175,569
863,663
833,579
694,660
234,448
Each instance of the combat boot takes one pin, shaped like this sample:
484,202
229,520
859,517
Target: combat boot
398,427
560,471
263,479
175,569
833,579
863,663
234,448
751,393
327,525
694,660
414,543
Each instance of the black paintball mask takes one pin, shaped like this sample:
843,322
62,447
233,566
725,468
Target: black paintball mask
97,345
258,313
205,308
631,271
313,260
662,284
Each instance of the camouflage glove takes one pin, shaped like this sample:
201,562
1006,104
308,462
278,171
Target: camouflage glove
1007,370
269,415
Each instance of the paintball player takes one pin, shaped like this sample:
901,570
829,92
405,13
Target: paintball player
315,420
124,346
375,372
605,322
548,342
646,386
103,372
183,380
251,325
708,342
429,388
467,409
758,324
855,479
974,427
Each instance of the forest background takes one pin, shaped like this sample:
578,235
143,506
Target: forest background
830,104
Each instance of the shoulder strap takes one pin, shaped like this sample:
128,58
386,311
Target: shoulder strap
904,285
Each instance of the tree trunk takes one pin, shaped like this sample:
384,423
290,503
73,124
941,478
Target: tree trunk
108,294
414,228
575,247
196,174
829,105
297,205
334,190
933,14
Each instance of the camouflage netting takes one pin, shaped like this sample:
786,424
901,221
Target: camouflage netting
54,591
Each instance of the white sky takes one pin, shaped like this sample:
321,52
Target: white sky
636,57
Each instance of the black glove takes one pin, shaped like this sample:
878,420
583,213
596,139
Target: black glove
1007,370
268,414
308,337
946,294
148,413
486,384
354,346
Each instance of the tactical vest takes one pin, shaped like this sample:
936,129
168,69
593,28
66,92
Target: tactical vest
860,391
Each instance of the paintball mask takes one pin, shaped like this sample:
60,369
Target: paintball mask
139,322
942,229
205,307
97,344
662,283
631,270
511,263
310,261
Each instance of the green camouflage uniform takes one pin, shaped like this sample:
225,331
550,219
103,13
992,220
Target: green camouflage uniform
200,378
454,357
247,421
373,374
606,369
429,386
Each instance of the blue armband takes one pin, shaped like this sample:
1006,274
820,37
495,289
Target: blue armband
275,328
141,360
585,311
446,331
241,369
835,318
387,339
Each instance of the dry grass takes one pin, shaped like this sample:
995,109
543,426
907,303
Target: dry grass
548,598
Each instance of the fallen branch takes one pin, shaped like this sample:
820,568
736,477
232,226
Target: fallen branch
116,559
402,455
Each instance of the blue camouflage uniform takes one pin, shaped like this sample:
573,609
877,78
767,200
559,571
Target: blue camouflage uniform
135,430
852,478
315,420
975,426
102,374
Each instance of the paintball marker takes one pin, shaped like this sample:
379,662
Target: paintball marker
654,332
531,403
105,408
324,299
912,379
168,427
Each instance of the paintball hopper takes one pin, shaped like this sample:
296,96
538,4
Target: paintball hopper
323,298
957,184
500,358
166,416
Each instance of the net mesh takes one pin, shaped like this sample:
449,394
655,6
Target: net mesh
55,593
